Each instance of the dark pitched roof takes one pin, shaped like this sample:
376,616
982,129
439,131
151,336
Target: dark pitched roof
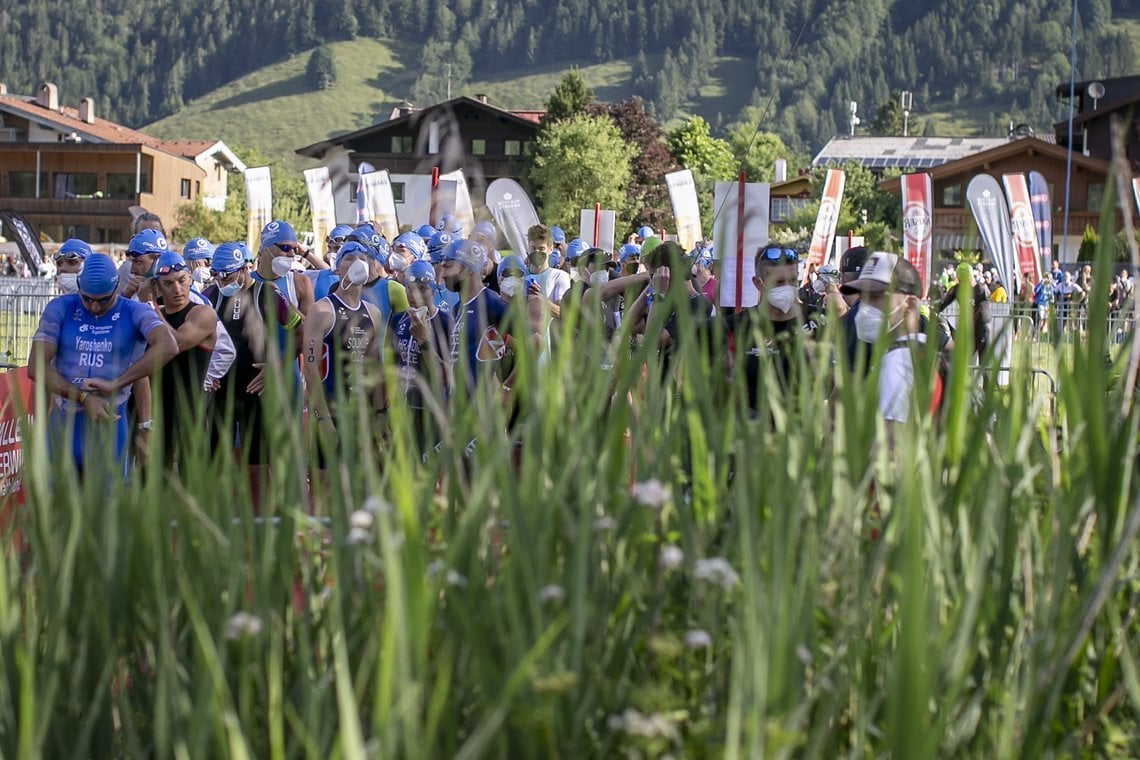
67,120
525,118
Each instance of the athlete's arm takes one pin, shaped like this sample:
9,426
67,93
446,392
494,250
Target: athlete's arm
40,370
304,288
397,297
317,325
199,329
161,348
380,391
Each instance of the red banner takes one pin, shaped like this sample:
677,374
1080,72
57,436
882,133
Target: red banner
1022,225
918,224
15,401
826,220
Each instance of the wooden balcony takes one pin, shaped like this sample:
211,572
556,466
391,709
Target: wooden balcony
67,207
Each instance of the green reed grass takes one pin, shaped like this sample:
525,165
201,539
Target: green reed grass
495,610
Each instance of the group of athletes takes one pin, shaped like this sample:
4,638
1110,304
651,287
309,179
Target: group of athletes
221,339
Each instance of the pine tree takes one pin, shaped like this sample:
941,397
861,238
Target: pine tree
321,69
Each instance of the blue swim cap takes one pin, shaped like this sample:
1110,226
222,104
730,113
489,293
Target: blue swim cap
98,275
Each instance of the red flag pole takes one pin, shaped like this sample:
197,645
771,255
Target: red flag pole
597,222
434,185
740,242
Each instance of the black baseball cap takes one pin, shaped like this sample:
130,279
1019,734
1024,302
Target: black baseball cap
853,260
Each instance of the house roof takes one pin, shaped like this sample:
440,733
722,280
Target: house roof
194,149
901,152
1028,145
1103,110
525,118
791,187
67,120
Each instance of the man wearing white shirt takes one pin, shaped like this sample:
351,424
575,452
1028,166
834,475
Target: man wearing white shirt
552,282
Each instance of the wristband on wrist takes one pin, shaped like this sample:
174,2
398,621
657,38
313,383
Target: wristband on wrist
145,425
83,396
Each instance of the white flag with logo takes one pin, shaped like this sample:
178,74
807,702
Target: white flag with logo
379,204
321,205
686,210
258,204
463,210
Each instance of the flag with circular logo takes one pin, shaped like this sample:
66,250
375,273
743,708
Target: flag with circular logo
827,219
917,224
1022,225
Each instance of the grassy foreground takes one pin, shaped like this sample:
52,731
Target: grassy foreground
735,602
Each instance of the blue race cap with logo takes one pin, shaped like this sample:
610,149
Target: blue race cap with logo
148,243
197,249
450,224
557,235
278,232
419,271
645,231
470,254
74,248
426,231
168,263
353,248
98,275
340,232
228,258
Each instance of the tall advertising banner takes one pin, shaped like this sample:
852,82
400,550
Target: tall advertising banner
461,208
607,223
726,195
918,224
686,211
1023,226
990,211
1042,217
15,406
514,213
826,219
321,206
379,204
361,203
258,204
26,237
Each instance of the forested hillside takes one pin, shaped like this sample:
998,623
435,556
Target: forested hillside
142,60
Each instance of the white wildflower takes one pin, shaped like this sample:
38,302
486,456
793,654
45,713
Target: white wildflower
551,593
435,567
633,723
604,523
242,625
455,579
698,639
357,536
374,504
670,557
716,570
361,518
652,493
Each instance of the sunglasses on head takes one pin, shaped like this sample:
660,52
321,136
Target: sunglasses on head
68,257
224,275
100,301
776,253
170,269
338,240
422,279
136,254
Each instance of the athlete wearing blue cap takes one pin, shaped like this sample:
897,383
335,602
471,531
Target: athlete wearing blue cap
68,259
336,238
89,349
275,258
197,253
253,312
480,340
342,349
450,224
142,251
422,342
180,391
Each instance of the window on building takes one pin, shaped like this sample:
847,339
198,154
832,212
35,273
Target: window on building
197,189
403,145
952,195
23,184
785,208
528,148
121,186
512,148
68,185
478,147
184,189
1096,196
398,192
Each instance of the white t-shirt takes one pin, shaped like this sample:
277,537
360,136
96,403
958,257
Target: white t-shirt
553,283
896,380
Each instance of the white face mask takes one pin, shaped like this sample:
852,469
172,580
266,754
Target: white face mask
357,274
397,263
281,265
783,297
510,286
869,321
819,286
68,283
230,288
575,275
599,278
200,275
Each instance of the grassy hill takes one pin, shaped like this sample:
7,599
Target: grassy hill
275,111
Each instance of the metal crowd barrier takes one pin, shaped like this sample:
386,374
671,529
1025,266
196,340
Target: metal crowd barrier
22,301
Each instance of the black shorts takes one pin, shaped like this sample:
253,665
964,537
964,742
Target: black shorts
239,422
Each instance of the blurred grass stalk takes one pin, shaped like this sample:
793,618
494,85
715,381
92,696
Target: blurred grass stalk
469,607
